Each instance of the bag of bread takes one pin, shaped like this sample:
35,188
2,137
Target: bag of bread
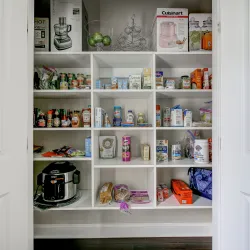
122,196
106,193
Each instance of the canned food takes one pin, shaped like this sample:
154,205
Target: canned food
185,82
126,148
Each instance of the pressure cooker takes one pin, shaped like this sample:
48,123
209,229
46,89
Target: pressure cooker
59,181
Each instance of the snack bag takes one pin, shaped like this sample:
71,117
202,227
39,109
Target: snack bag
106,193
122,195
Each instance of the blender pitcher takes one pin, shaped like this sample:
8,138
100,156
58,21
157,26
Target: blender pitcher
168,36
62,40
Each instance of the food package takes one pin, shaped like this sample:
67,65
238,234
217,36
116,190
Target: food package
135,81
107,146
106,193
182,192
162,150
99,117
159,79
206,113
121,193
69,151
176,116
41,39
140,196
188,118
145,152
146,78
165,191
196,79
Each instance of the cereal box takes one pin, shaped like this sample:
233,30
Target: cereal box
162,150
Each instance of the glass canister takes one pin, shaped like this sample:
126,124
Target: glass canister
194,35
140,118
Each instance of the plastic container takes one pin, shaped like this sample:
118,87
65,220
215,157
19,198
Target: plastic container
158,116
201,151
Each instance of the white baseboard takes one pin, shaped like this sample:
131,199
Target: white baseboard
129,230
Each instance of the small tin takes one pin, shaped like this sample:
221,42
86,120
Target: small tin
126,148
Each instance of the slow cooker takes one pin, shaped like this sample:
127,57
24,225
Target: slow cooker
59,181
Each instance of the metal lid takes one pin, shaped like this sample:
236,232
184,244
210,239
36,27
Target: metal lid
59,167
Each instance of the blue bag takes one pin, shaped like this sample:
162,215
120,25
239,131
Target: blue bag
200,181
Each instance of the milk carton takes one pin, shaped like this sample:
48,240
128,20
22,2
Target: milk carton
68,25
41,39
170,30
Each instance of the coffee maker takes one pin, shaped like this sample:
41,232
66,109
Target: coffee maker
62,40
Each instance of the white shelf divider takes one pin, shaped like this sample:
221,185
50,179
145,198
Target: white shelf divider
184,163
62,94
39,157
62,129
184,128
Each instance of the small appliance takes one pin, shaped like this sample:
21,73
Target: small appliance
59,181
62,40
168,36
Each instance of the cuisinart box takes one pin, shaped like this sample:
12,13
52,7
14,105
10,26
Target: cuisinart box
170,30
41,39
67,27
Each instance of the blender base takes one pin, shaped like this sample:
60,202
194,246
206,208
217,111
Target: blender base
62,44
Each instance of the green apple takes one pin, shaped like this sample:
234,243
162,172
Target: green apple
91,42
98,37
106,40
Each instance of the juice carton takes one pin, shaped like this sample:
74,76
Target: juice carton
182,192
196,79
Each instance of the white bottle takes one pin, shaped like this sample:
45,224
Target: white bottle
130,117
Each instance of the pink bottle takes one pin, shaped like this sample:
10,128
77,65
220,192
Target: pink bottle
168,36
126,148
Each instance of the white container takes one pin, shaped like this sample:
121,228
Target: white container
201,152
41,39
176,118
170,30
67,32
188,118
99,113
166,117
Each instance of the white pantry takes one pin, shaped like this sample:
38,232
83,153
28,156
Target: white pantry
87,218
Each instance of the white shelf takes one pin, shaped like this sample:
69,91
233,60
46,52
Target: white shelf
125,93
184,128
39,157
61,129
62,94
125,129
183,93
185,163
136,162
201,59
84,203
172,203
62,59
116,206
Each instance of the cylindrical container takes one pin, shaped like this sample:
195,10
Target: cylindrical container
126,148
159,194
176,152
88,146
210,149
117,116
49,119
201,152
167,117
158,116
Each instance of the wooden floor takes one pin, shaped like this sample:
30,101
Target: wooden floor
127,244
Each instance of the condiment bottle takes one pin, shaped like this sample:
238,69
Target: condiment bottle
130,117
64,121
56,121
86,117
158,116
76,119
41,120
49,119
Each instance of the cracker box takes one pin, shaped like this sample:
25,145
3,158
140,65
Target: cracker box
68,25
135,81
170,30
182,192
162,150
41,39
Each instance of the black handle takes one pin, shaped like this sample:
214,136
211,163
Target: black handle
40,179
76,177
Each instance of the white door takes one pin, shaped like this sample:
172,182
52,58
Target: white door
231,187
16,214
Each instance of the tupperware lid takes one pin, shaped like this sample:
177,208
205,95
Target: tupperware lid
59,167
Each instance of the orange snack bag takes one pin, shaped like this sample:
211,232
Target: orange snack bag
182,192
196,79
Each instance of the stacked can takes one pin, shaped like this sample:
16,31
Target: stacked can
126,148
210,149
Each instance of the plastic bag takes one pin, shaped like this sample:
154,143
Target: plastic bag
122,196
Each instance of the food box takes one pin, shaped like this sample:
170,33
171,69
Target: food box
135,81
170,30
99,114
146,78
196,79
162,150
145,152
188,118
67,27
107,147
182,192
200,31
41,39
159,79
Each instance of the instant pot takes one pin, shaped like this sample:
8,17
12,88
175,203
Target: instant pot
59,181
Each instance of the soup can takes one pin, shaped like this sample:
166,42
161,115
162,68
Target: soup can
126,148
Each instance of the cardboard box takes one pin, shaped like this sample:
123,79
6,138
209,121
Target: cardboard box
182,192
170,30
196,79
41,34
146,78
67,26
200,31
162,150
99,114
135,81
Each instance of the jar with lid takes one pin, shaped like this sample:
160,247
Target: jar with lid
194,35
185,82
140,118
207,34
86,117
56,120
63,82
41,120
76,119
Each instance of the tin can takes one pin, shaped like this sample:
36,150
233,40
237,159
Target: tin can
159,193
117,121
126,148
167,117
176,152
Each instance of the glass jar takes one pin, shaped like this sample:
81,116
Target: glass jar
194,35
76,119
140,118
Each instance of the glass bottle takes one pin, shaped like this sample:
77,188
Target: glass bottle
56,121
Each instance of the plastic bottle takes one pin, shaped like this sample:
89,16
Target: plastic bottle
158,116
130,117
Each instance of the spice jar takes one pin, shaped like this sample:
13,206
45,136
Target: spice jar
41,120
49,119
76,119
